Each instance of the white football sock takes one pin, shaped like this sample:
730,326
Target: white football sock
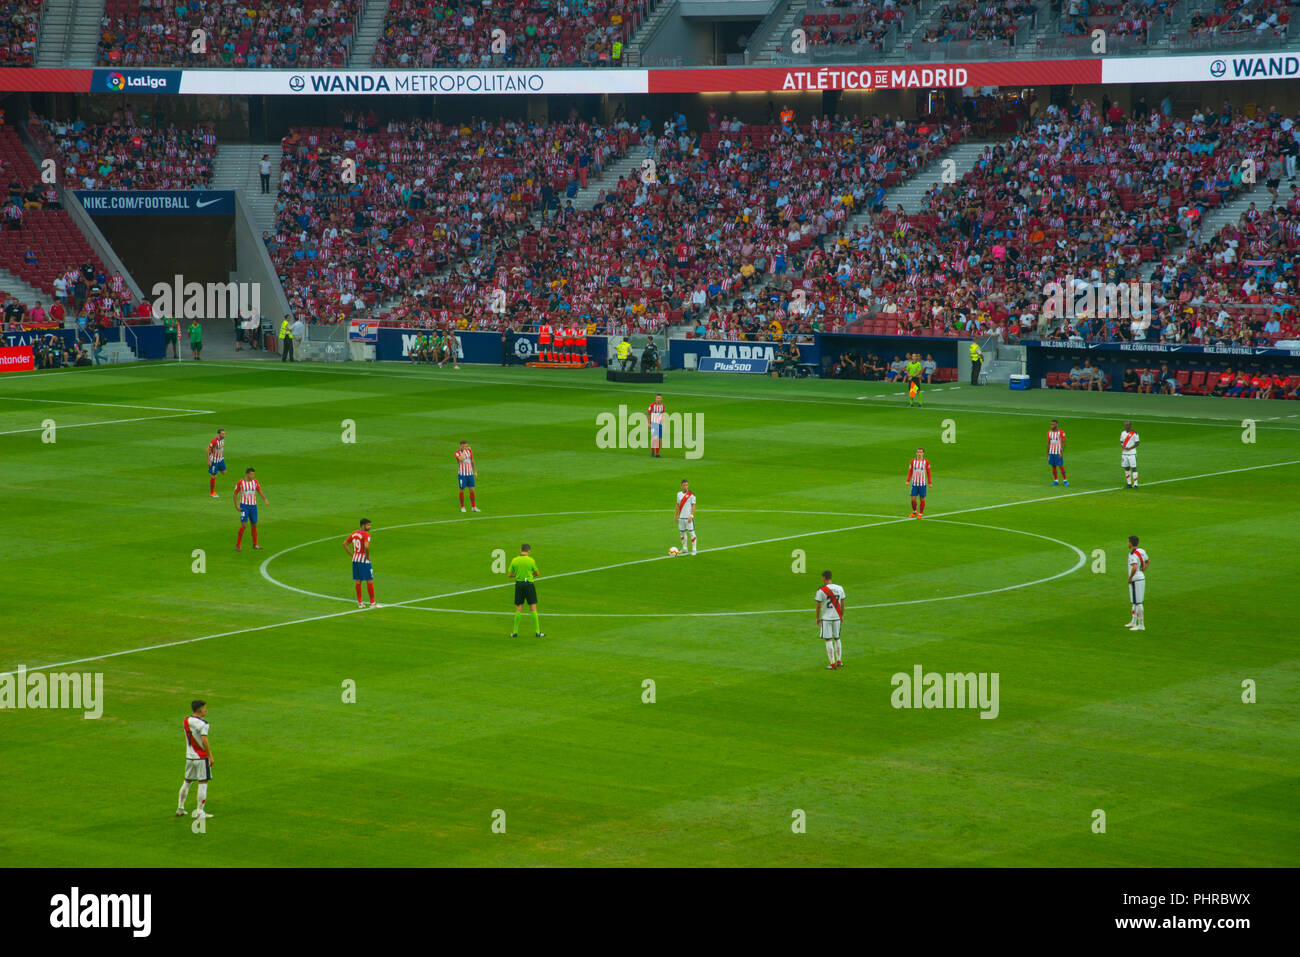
185,793
830,651
1135,477
838,657
1138,613
692,544
203,795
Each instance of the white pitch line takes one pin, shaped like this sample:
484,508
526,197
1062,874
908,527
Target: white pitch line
85,425
980,508
803,611
185,641
106,405
613,388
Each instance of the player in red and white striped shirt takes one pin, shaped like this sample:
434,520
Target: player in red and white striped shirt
216,460
656,412
466,473
918,476
1056,451
246,491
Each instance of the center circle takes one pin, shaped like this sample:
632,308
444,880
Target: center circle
416,604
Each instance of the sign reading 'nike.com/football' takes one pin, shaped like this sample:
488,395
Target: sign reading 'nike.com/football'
158,202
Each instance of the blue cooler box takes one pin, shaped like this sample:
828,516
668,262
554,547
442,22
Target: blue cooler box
1020,383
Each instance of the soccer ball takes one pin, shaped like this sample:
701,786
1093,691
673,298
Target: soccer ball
672,551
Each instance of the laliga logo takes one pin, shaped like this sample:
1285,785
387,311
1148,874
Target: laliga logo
523,348
116,82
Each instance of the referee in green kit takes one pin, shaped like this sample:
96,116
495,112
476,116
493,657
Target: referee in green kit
523,570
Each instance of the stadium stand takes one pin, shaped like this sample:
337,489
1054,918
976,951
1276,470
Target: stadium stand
417,209
863,24
536,33
128,153
251,33
20,29
40,244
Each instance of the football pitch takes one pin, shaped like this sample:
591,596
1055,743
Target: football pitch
678,710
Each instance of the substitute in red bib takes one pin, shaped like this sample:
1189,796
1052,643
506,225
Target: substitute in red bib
829,615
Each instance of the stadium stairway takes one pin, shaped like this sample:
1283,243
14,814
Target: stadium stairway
770,43
70,33
15,288
649,27
236,168
368,30
629,164
911,192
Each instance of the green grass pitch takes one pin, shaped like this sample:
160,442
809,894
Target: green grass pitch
454,722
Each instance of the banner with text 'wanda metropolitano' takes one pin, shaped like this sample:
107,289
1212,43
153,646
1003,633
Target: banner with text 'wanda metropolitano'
894,76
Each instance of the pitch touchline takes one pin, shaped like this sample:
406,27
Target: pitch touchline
352,611
833,400
85,425
106,405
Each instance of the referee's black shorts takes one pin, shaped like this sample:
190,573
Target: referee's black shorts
525,593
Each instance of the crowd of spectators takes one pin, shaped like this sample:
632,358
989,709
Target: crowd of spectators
1128,18
503,33
983,20
236,33
864,24
1258,17
128,153
20,24
429,208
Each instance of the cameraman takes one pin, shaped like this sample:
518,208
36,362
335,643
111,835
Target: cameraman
650,358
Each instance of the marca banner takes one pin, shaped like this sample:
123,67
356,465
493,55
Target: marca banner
1118,70
16,359
709,364
809,353
157,202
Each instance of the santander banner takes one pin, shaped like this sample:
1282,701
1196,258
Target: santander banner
16,359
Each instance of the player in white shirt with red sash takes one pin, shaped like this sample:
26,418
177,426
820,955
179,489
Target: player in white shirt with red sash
656,413
1138,562
1128,456
829,614
686,516
198,759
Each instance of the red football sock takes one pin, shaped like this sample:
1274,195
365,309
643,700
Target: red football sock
212,484
1062,471
462,498
240,537
1053,471
914,505
922,506
255,528
471,498
370,587
358,584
